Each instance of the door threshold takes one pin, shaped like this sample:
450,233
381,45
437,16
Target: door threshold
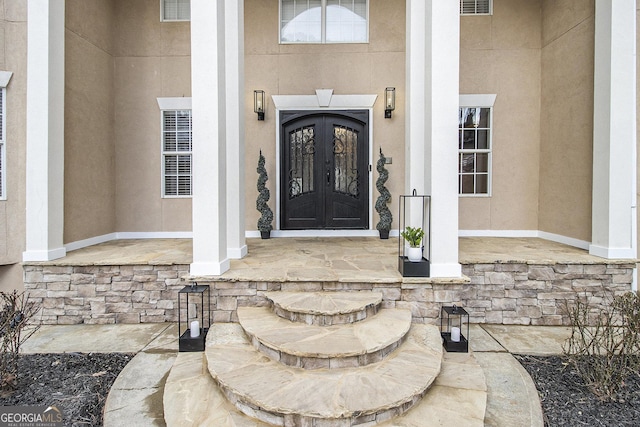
322,233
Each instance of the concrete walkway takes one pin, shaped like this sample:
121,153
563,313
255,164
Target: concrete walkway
136,395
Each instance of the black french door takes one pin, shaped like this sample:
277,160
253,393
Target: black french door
324,173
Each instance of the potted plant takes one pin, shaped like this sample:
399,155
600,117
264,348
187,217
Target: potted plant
264,223
413,236
384,225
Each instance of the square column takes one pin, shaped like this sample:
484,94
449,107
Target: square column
209,139
614,217
45,131
433,68
234,63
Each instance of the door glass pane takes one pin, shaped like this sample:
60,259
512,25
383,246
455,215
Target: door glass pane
302,153
345,160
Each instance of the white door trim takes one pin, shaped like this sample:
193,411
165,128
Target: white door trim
323,100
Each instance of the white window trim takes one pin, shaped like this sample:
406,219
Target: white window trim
5,77
172,104
481,101
323,27
162,18
478,14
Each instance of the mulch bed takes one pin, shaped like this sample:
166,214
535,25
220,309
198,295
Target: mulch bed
566,401
79,384
76,383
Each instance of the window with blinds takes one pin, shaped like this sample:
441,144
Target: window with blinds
176,153
324,21
3,162
475,7
175,10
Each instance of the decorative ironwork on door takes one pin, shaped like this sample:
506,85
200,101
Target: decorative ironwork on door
345,160
302,154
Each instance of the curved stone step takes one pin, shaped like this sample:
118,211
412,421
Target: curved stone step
458,396
283,395
329,347
325,308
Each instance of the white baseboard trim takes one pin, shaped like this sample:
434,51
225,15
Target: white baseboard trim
526,233
90,241
61,252
79,244
498,233
564,239
155,235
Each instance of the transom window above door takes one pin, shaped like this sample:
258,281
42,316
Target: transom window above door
324,21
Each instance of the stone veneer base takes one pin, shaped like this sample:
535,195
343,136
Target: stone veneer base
500,293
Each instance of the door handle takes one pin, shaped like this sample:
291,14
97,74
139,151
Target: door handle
328,177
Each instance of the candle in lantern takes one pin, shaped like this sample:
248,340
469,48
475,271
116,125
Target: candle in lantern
195,329
455,334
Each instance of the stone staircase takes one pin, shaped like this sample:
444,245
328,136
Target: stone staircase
331,359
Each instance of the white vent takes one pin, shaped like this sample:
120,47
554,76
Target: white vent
175,10
475,7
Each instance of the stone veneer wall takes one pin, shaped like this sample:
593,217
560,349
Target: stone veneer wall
510,293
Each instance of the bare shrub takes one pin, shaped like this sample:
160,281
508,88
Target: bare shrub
15,313
604,346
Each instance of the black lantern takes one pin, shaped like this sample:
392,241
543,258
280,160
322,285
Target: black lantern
258,103
192,334
414,244
452,321
389,101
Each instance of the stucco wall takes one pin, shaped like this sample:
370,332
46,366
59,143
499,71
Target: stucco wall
152,59
566,143
13,48
500,54
89,129
345,68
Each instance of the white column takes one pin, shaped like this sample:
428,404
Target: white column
234,62
209,140
45,131
433,64
614,131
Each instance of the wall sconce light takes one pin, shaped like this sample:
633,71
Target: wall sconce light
258,103
389,101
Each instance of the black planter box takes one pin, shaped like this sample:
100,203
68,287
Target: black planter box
454,347
186,343
413,269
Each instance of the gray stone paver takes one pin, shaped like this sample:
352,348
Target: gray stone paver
93,338
512,398
533,340
506,379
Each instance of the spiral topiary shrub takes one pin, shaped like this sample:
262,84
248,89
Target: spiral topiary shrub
266,218
384,225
